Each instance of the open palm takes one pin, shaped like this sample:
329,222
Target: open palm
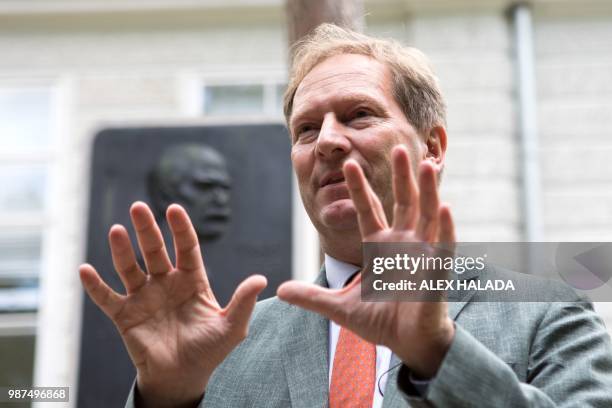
174,329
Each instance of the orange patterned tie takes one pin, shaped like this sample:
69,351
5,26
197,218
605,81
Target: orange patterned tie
353,373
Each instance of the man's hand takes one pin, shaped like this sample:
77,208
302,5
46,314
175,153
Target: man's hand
419,333
173,327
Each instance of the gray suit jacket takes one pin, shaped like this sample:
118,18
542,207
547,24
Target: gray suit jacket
503,355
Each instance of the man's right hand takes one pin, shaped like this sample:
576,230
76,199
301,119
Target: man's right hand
173,327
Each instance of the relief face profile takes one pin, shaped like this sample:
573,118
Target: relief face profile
195,176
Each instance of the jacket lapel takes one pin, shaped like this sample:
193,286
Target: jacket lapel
306,356
458,299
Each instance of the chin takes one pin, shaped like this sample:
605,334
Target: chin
340,215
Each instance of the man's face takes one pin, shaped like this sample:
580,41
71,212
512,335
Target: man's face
195,176
205,193
344,108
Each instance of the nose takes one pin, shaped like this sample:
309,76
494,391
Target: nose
332,141
221,196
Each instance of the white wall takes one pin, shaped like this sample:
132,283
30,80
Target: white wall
471,54
574,75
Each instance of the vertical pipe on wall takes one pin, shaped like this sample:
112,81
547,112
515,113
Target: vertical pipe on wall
526,92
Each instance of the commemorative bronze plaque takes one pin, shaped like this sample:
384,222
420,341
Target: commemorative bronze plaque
235,183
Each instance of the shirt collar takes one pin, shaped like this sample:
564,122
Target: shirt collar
338,272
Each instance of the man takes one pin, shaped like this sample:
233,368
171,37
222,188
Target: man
367,122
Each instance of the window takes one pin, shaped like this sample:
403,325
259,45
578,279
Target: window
233,99
250,99
26,140
25,116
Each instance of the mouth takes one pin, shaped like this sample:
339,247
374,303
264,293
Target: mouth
217,217
335,177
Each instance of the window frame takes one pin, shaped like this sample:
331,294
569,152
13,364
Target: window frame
46,156
192,86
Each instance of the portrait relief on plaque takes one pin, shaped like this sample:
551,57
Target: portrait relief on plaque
195,176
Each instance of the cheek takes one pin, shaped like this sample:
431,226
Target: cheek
302,162
376,149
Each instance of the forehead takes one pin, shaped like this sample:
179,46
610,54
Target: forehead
345,75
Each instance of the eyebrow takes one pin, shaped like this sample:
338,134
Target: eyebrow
353,99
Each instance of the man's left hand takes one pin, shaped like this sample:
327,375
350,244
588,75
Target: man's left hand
419,333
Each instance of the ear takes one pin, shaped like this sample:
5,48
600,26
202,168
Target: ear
436,147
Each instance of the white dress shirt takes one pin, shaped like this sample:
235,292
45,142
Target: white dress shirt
338,273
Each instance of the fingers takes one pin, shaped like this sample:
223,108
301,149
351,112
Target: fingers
415,207
150,239
446,232
369,210
405,191
429,203
241,305
186,244
326,302
100,293
124,259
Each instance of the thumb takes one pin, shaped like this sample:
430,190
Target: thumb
326,302
240,307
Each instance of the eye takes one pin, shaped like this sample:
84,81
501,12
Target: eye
305,131
361,113
305,128
360,117
204,184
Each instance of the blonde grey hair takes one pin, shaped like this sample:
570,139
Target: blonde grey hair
415,86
